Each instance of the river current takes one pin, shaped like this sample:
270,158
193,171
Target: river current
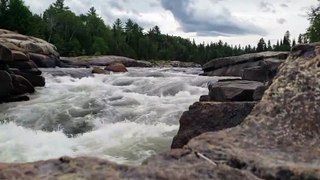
123,117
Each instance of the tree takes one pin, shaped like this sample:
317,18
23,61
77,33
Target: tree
261,45
293,43
313,32
15,16
269,48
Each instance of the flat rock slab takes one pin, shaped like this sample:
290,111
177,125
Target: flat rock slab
210,116
236,90
229,61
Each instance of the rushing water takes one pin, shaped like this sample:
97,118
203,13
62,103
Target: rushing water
121,117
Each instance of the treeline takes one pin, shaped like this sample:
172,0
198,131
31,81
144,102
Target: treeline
87,34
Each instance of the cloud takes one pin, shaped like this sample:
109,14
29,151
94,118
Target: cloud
284,5
267,7
209,18
281,21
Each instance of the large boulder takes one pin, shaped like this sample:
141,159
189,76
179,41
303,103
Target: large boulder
234,66
43,61
20,56
6,84
210,116
116,67
235,90
35,80
21,85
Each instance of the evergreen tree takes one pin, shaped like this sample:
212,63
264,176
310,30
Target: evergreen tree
261,45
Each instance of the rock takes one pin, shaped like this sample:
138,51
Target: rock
234,66
14,99
75,73
19,56
6,84
176,64
280,138
43,61
257,73
234,90
21,85
5,53
117,67
204,98
35,80
19,42
97,70
104,61
22,65
210,116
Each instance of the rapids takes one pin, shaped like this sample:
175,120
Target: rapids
120,117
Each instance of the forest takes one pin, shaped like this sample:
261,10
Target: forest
87,34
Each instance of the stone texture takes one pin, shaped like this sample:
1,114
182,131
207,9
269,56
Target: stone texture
234,90
35,80
43,61
234,66
117,67
97,70
20,57
210,116
83,61
6,84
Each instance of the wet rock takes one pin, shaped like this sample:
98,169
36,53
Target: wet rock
35,80
204,98
22,65
234,90
97,70
21,85
117,67
210,116
5,53
43,61
19,56
6,84
14,99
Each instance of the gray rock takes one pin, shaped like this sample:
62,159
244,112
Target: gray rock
6,84
104,61
234,90
210,116
233,66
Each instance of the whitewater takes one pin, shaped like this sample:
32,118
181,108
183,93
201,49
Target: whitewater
124,117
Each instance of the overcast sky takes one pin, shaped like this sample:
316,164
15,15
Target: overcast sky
233,21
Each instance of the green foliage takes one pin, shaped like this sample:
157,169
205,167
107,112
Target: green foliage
313,32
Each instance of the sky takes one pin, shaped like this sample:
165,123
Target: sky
232,21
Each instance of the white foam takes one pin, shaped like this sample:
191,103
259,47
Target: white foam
123,117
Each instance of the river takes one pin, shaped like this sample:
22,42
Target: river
124,117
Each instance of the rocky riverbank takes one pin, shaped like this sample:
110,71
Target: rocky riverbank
279,139
20,57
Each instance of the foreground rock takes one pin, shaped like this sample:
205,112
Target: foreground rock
210,116
278,140
20,57
235,66
102,61
236,90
